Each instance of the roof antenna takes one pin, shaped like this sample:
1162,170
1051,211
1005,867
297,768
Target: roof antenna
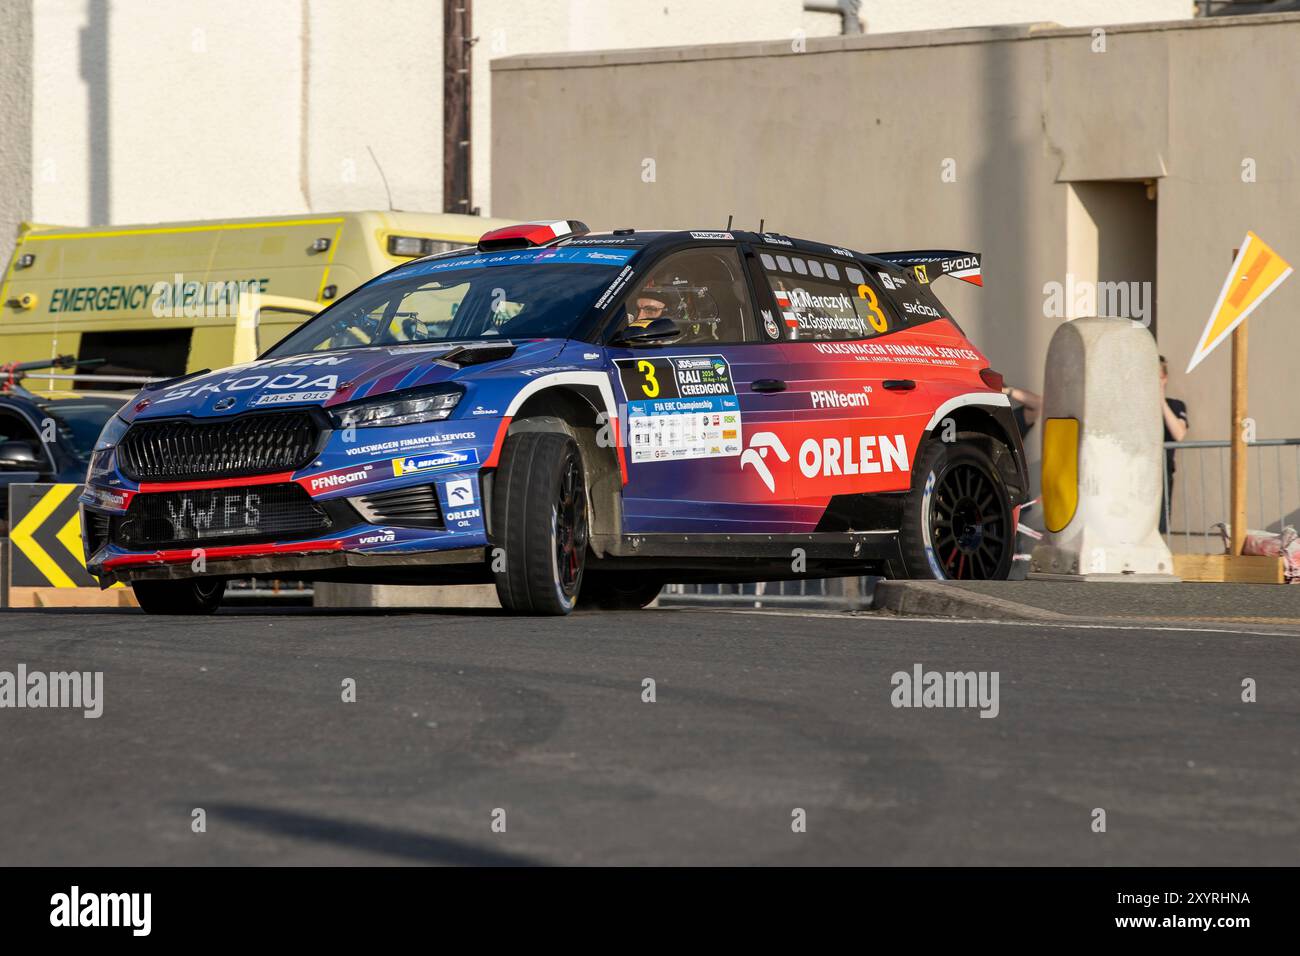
760,224
729,223
387,191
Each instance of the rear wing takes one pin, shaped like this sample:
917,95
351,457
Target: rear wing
929,264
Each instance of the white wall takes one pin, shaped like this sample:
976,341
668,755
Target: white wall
174,111
374,79
15,119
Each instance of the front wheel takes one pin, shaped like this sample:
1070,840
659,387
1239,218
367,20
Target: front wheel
187,596
539,521
957,522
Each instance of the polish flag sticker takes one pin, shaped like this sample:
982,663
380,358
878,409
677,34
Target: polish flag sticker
783,303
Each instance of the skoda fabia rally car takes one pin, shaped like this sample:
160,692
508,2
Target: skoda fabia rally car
579,418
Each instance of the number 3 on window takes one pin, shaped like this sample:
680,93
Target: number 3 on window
651,384
874,315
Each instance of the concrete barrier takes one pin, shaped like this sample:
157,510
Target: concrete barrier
1102,449
334,595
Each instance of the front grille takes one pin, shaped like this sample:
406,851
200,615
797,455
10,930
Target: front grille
406,507
180,450
224,515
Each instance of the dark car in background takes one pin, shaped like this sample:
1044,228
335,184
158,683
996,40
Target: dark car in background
48,436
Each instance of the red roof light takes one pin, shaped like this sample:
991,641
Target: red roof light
529,235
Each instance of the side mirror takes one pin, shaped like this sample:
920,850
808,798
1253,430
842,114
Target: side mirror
18,456
657,332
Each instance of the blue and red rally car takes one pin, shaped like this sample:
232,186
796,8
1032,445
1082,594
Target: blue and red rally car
579,418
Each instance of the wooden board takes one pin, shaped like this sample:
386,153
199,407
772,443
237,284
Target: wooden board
1229,568
71,597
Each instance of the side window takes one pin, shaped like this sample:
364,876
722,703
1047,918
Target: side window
820,300
702,290
15,427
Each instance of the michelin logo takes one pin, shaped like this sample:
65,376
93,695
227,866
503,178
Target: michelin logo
434,461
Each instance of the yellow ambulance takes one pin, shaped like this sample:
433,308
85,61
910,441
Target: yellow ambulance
169,298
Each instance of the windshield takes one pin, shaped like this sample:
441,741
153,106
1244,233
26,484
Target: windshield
80,420
526,293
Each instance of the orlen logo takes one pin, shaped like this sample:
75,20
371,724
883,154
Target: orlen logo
754,455
836,456
337,479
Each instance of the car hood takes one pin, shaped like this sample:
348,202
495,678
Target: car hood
331,378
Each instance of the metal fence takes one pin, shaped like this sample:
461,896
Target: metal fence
838,593
1198,510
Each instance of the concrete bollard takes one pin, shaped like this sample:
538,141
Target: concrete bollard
1102,456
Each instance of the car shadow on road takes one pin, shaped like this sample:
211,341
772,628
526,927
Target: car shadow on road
366,837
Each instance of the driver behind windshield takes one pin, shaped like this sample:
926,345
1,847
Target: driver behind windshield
654,301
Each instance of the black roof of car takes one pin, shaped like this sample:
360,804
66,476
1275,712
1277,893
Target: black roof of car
643,238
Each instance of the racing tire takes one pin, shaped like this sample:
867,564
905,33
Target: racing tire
618,590
540,520
188,596
957,521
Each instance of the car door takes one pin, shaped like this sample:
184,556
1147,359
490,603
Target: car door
859,399
702,416
16,425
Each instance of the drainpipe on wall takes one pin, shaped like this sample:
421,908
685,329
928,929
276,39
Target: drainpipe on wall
457,42
847,9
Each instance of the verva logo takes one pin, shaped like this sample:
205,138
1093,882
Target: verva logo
853,455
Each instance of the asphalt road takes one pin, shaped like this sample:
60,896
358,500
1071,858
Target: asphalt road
757,713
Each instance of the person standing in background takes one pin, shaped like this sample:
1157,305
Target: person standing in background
1174,412
1029,405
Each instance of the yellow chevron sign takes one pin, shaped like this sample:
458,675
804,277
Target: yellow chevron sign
46,537
1255,273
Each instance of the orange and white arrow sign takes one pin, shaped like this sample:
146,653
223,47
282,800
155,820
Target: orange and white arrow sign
1256,272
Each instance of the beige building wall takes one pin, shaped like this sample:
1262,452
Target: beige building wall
1002,140
891,16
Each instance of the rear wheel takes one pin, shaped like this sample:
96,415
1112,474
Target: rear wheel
188,596
957,522
539,520
619,590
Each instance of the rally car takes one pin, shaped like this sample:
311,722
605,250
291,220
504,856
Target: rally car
579,418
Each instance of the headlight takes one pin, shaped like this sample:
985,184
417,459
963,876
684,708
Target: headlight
408,409
112,434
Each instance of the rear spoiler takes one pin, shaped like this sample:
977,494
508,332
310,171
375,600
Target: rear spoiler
929,264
